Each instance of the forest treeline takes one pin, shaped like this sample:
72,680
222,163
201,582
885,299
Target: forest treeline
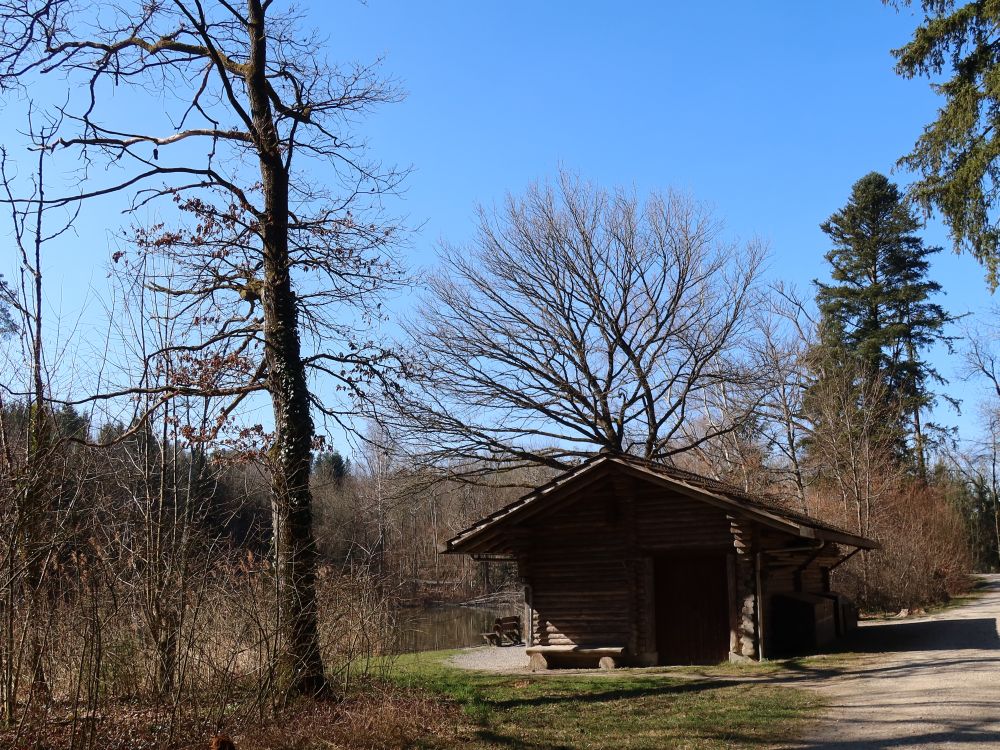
218,513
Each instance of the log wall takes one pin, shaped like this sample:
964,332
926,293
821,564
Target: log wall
588,564
745,636
670,521
576,566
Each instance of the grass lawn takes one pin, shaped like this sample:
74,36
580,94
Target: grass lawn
626,709
977,590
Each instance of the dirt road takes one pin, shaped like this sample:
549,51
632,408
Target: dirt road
933,682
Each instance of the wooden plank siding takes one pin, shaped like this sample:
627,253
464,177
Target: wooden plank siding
578,572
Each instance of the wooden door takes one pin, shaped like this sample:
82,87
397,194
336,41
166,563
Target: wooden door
692,609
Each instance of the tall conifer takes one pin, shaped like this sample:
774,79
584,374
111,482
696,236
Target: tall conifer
878,306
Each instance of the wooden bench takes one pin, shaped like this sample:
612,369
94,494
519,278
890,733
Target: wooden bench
506,632
547,657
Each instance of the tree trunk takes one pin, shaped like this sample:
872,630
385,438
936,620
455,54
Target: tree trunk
996,498
918,435
918,447
291,453
41,438
300,667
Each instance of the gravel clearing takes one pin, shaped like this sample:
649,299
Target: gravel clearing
500,659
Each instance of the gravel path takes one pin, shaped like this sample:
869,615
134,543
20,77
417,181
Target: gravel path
502,659
934,683
930,682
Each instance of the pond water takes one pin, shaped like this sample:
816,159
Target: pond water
434,628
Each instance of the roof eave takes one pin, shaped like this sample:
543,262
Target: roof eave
470,540
462,542
839,537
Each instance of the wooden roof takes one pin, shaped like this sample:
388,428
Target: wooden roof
491,534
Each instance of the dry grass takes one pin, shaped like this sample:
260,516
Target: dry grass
382,718
100,667
429,705
376,718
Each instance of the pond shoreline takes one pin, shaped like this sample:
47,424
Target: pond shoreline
436,627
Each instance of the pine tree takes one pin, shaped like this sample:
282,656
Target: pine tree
878,307
331,467
7,324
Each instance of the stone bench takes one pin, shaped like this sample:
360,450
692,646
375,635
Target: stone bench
550,657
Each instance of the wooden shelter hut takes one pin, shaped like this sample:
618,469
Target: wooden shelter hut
626,561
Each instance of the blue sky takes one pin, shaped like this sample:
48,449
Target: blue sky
768,111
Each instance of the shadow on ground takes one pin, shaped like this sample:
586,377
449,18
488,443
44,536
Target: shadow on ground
610,709
977,733
930,635
650,690
977,636
940,655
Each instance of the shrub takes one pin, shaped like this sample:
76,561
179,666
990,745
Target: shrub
924,556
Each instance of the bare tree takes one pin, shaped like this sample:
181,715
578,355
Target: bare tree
285,238
163,481
34,468
788,330
980,467
852,444
738,455
579,320
980,356
977,466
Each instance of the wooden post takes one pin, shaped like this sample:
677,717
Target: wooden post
761,605
538,663
648,648
524,575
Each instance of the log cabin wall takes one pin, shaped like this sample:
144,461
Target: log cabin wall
796,566
588,565
575,565
624,555
668,523
791,568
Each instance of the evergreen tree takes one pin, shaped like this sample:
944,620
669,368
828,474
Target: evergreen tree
878,308
7,324
958,154
331,467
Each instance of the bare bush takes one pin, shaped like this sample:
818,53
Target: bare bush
924,556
